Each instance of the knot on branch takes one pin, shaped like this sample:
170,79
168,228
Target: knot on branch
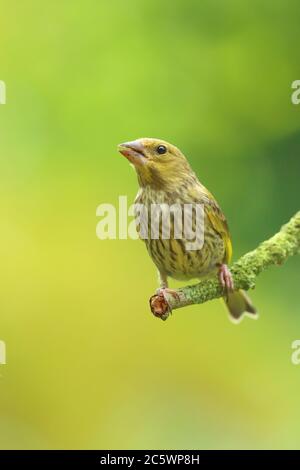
159,306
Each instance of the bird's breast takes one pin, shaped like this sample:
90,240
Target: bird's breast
172,255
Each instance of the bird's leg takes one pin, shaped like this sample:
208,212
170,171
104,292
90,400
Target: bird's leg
225,277
163,280
164,286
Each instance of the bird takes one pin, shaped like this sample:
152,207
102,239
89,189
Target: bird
165,178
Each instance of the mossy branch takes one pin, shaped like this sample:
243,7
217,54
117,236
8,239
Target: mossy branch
274,251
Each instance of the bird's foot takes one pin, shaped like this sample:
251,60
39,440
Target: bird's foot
165,290
226,278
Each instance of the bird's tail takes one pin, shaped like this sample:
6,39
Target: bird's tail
239,304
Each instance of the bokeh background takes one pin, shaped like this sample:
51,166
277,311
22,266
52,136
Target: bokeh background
87,364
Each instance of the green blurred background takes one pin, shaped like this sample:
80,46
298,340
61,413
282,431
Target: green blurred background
87,364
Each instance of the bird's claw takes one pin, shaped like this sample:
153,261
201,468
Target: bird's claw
226,278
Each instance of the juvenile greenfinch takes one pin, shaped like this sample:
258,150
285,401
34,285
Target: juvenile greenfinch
165,177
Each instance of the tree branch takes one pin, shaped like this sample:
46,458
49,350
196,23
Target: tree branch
274,251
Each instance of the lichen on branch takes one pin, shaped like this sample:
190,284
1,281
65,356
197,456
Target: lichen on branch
272,252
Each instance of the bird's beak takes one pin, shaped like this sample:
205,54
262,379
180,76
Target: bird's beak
133,151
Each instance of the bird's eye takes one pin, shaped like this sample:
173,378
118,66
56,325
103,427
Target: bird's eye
161,149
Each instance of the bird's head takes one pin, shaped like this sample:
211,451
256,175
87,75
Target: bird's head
158,164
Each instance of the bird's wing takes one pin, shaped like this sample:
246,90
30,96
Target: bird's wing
215,216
